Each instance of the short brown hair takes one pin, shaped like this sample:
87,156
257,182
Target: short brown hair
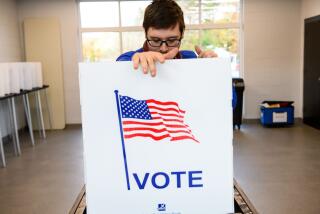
163,14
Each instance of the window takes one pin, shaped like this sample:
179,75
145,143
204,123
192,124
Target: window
109,28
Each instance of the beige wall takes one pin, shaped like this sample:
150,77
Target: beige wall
272,53
9,52
9,33
272,49
310,8
66,11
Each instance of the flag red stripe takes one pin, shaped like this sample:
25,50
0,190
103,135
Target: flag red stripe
175,126
163,103
167,115
164,109
157,130
142,123
167,120
180,131
146,135
145,129
183,137
152,124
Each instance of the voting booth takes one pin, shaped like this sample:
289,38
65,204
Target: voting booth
158,145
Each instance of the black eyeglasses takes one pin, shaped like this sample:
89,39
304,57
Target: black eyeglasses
169,42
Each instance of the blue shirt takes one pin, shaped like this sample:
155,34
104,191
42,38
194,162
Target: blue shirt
128,55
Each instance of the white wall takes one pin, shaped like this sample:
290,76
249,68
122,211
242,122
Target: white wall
272,53
66,11
9,52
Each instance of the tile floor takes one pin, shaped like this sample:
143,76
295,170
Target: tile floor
278,168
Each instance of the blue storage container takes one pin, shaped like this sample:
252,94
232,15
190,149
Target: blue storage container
279,116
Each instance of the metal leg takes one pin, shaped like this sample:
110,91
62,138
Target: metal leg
38,99
28,115
9,124
48,108
15,125
12,130
3,160
38,114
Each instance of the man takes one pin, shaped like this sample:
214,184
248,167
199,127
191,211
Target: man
164,27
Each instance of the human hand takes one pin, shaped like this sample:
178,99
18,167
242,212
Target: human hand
148,59
205,54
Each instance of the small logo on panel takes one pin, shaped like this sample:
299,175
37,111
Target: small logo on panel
161,207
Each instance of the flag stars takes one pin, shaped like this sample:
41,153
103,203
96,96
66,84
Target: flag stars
132,108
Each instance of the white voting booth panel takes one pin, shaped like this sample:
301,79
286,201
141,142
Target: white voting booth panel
158,145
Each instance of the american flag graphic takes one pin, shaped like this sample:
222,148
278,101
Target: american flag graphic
153,119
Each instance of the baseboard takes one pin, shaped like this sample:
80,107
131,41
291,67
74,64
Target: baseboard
256,120
250,121
73,126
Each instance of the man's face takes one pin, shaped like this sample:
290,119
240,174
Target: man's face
170,35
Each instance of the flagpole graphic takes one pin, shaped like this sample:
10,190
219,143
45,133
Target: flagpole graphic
122,139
